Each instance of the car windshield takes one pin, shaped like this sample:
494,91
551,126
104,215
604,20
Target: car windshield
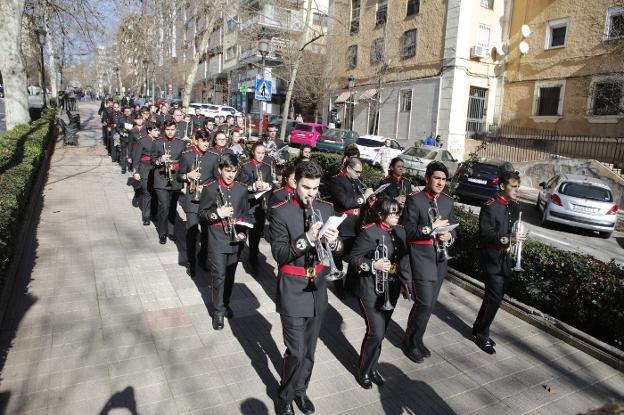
586,191
367,142
335,134
420,153
210,107
303,127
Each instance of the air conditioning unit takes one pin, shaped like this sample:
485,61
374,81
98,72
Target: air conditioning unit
479,52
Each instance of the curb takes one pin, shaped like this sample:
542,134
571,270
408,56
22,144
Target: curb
26,228
574,337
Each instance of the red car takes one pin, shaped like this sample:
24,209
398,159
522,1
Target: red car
306,133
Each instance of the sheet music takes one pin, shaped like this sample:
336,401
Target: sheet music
332,223
382,188
443,229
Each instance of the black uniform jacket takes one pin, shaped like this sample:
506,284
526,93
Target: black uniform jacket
415,219
496,219
107,116
249,173
198,122
397,186
122,122
136,134
347,199
164,118
281,194
289,246
236,194
206,161
176,147
151,121
183,129
142,152
363,255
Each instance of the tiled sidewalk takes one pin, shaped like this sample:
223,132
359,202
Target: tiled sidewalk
104,320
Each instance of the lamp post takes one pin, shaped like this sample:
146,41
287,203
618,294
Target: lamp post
351,81
145,63
41,35
263,48
116,69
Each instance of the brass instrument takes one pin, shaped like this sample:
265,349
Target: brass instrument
195,188
441,247
516,249
229,223
265,200
323,251
274,175
169,170
382,282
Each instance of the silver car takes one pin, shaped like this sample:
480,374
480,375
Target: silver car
578,201
418,157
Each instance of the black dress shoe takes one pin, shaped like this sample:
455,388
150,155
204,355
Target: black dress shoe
171,237
484,343
123,172
492,341
228,312
304,404
284,408
365,381
146,222
413,354
217,321
424,351
377,378
162,239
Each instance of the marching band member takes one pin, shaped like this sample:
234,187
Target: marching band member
424,212
223,206
114,121
236,142
288,187
198,120
182,127
166,152
380,249
496,220
400,186
144,169
301,285
196,169
124,126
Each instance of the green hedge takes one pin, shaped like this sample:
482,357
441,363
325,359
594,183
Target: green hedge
578,289
21,155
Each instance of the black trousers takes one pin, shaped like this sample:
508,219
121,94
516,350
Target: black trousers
193,228
425,298
167,205
105,136
123,155
223,269
376,325
495,285
255,234
146,171
348,282
300,337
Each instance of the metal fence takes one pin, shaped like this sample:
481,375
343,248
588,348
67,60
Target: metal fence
517,144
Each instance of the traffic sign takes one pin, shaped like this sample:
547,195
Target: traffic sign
243,89
264,89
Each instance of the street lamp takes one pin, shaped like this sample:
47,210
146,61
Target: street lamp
41,35
351,81
145,63
263,48
116,69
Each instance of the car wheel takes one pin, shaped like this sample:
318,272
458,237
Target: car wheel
544,222
605,235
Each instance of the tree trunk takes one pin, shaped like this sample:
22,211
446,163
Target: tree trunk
51,50
12,63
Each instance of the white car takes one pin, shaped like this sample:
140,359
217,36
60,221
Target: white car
210,110
418,157
369,146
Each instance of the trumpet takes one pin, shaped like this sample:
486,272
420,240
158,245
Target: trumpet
516,249
382,282
169,169
229,223
195,188
440,246
323,250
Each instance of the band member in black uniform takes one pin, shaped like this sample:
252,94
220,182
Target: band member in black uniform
349,195
152,118
496,220
113,134
424,212
256,174
182,127
301,285
209,128
164,116
107,119
137,133
196,169
272,144
144,170
288,187
199,120
166,153
379,250
224,206
124,126
400,186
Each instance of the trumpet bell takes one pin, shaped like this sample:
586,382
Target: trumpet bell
335,275
387,306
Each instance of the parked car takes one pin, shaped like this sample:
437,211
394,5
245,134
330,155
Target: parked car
578,201
479,179
369,145
209,110
306,133
225,110
335,139
418,157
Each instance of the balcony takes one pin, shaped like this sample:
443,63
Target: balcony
276,19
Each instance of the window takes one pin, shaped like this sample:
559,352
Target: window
409,43
484,36
607,98
230,53
549,99
446,156
352,55
382,12
377,51
614,28
355,16
231,24
488,4
406,100
413,7
556,33
319,18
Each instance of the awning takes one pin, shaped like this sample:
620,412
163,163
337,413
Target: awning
368,94
342,98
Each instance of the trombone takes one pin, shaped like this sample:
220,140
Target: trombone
323,250
382,282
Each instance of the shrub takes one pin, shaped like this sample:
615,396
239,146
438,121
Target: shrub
575,288
22,152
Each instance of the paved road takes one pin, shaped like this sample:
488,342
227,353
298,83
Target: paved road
105,320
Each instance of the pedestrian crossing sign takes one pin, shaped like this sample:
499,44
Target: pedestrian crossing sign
264,89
